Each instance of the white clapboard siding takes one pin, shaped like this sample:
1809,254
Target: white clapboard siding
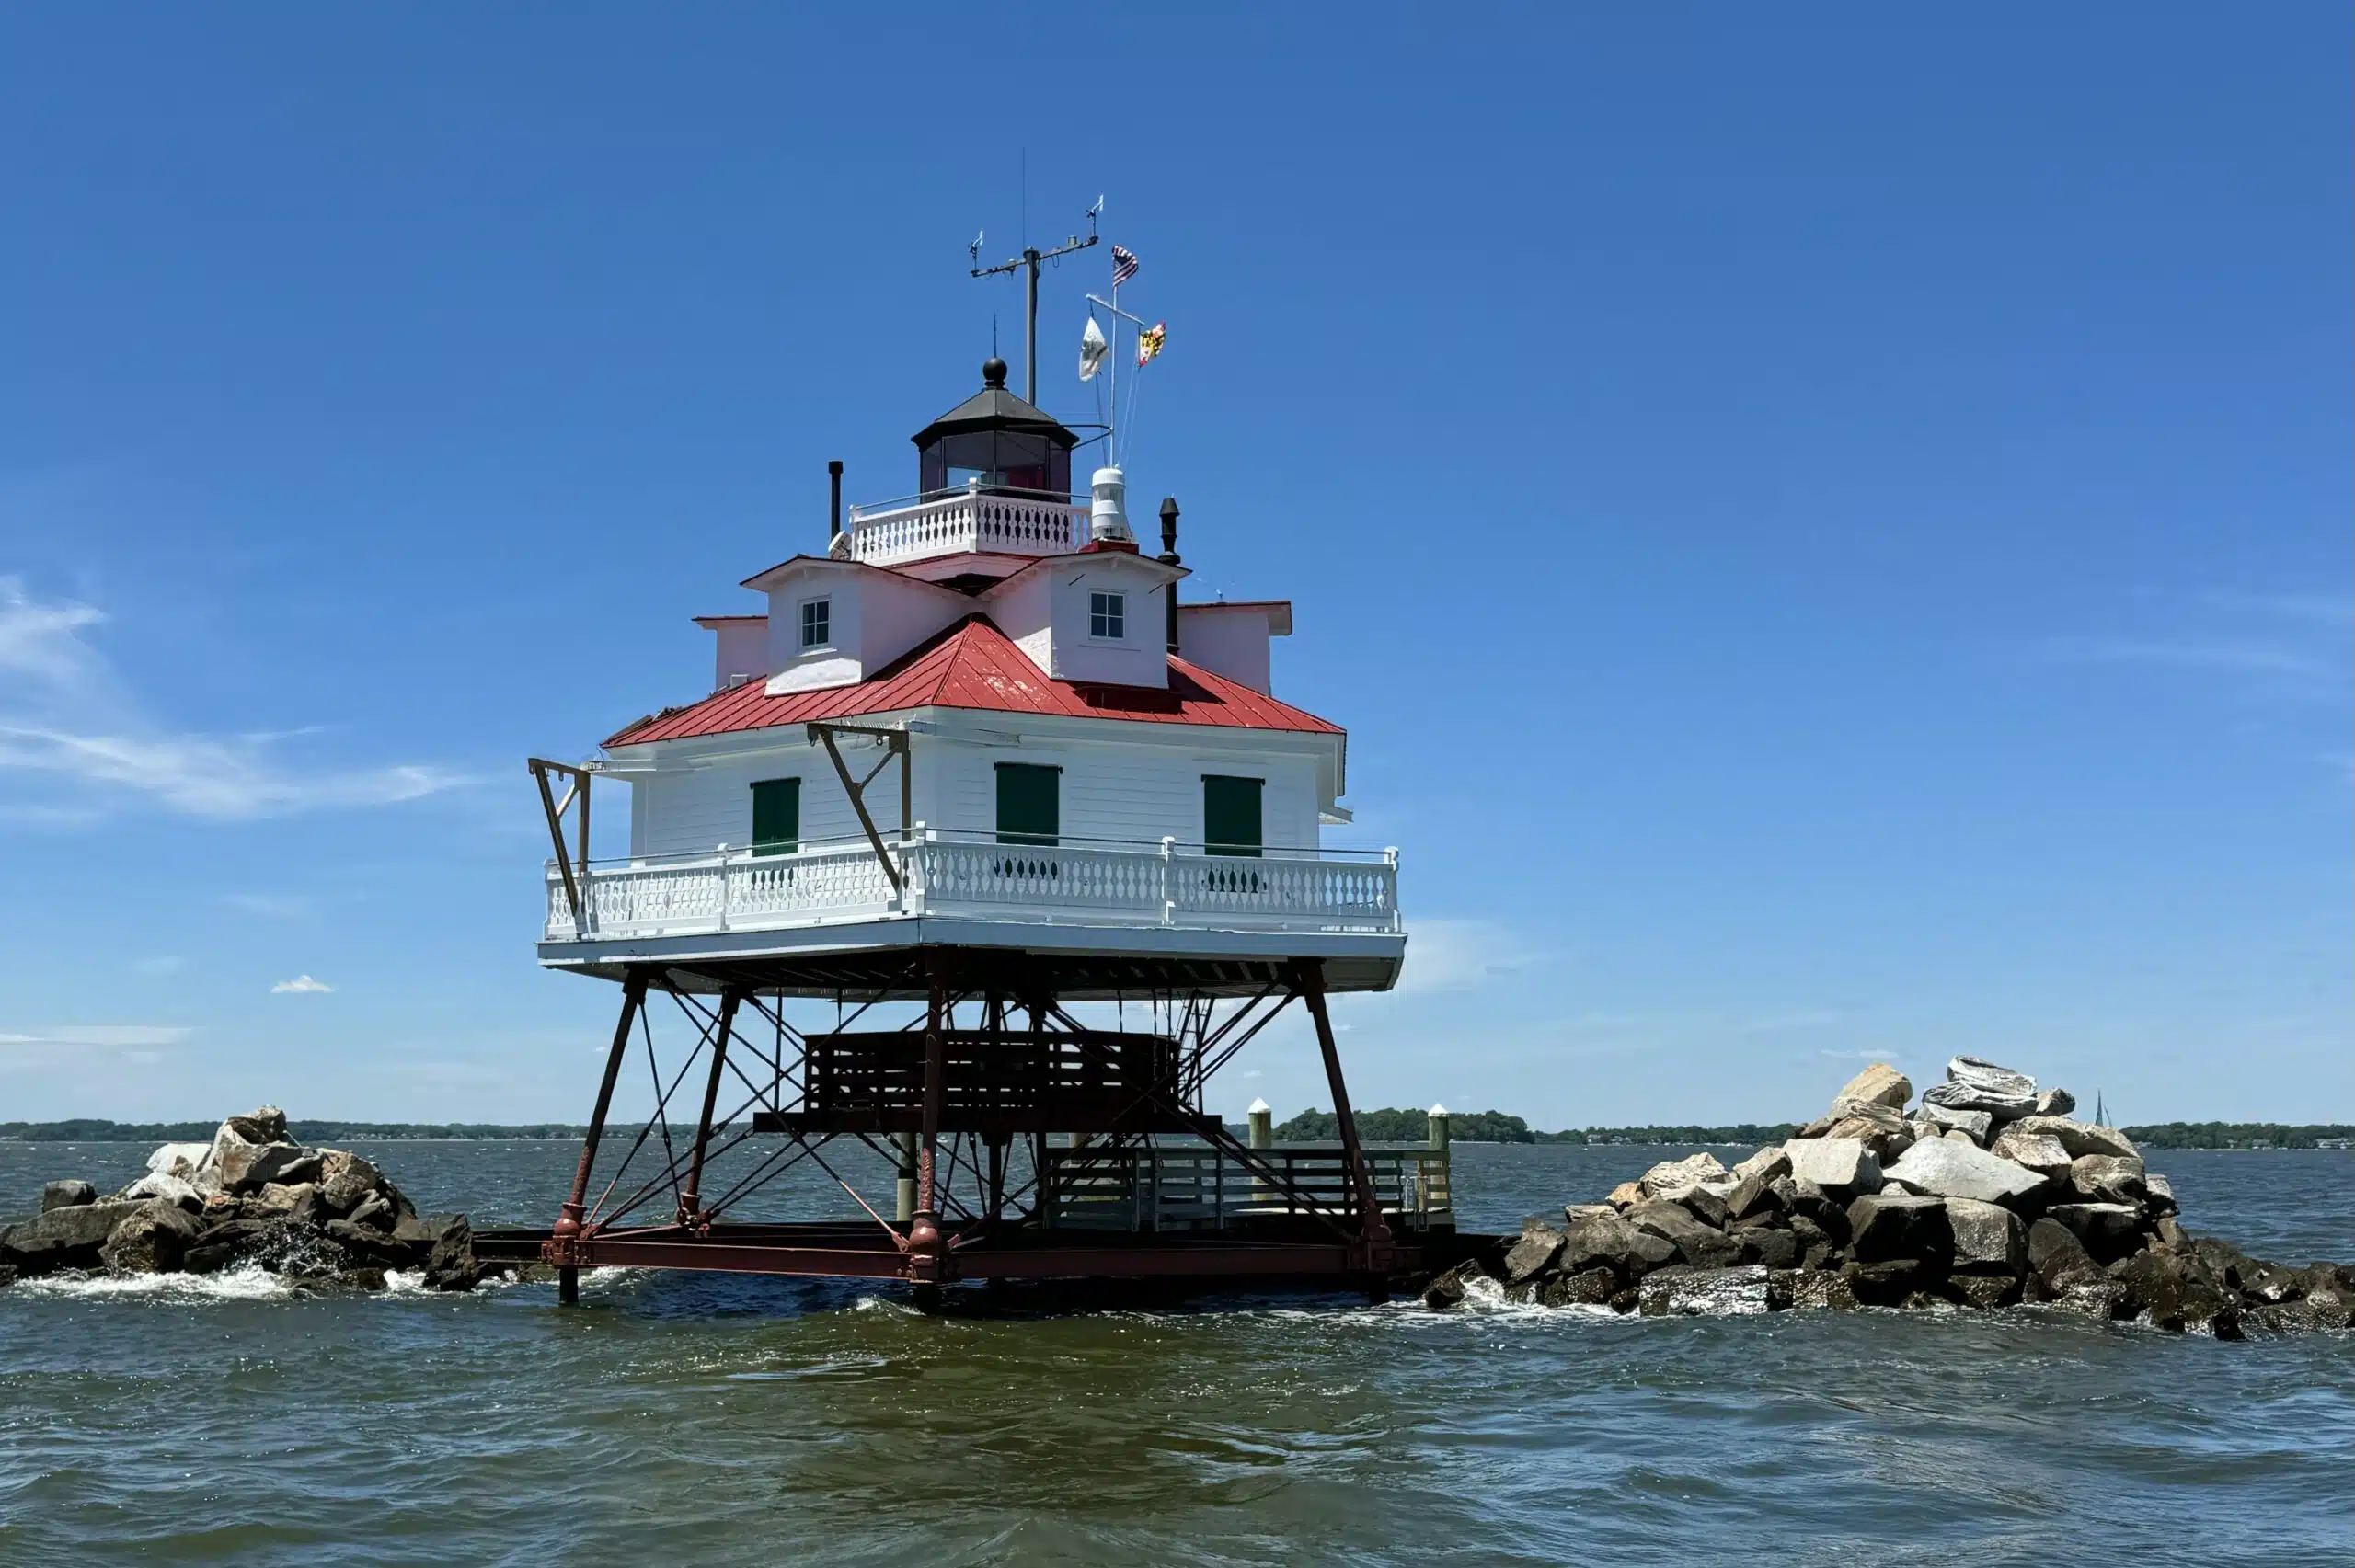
695,810
1136,792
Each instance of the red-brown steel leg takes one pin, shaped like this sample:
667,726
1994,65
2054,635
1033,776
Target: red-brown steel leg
568,1222
575,1207
1309,979
924,1249
690,1214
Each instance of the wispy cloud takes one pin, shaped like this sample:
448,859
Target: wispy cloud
162,963
301,985
1457,955
67,716
2288,643
2228,656
99,1035
2316,608
1797,1018
277,906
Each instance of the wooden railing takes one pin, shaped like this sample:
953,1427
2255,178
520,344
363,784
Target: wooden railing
1195,1187
1163,885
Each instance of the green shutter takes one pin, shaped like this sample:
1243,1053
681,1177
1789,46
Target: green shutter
1231,823
1028,809
777,817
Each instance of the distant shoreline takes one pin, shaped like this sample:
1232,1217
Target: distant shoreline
1310,1126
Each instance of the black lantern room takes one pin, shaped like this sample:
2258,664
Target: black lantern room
998,441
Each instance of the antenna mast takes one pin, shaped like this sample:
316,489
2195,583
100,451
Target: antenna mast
1030,259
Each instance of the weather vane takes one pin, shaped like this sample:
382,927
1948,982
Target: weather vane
1029,260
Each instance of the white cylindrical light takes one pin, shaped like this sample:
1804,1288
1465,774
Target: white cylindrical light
1108,514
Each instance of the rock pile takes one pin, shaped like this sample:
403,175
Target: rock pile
1987,1193
250,1196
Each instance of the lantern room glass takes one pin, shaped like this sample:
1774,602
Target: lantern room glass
1000,460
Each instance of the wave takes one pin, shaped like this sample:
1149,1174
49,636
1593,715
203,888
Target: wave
248,1282
251,1282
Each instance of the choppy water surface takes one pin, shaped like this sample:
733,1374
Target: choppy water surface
689,1420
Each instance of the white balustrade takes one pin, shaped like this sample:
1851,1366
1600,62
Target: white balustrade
970,519
1285,890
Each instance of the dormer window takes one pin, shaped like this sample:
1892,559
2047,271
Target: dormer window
1108,616
817,622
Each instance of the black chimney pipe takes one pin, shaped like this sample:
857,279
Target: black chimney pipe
1169,559
835,473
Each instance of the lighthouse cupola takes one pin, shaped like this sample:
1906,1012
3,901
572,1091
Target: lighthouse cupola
997,442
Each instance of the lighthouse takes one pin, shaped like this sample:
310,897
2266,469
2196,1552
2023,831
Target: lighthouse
969,760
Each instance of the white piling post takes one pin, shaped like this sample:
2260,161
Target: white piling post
1262,1122
1438,1196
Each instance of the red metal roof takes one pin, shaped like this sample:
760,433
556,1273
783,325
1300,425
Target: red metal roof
975,664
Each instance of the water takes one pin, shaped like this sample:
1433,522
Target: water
692,1419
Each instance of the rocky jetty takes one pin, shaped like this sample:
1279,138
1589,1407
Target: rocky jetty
250,1197
1987,1193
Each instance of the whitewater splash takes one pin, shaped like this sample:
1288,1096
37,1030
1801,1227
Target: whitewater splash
248,1282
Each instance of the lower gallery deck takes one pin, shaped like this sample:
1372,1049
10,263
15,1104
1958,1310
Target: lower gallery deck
1304,1254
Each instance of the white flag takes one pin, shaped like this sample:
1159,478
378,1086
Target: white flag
1093,351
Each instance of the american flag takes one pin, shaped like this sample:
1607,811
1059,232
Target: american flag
1124,266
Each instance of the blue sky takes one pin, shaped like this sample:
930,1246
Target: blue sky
1829,531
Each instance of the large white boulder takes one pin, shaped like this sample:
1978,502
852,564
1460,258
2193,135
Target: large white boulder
1977,1125
1673,1178
2078,1138
1941,1167
1836,1164
1975,1085
1879,1085
2038,1151
174,1190
179,1160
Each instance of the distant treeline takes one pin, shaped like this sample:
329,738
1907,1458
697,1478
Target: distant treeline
2237,1135
1309,1126
85,1129
1497,1126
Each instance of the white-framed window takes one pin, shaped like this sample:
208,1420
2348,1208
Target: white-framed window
817,622
1108,616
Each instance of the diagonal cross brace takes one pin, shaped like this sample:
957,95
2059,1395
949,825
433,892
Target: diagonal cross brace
895,744
555,810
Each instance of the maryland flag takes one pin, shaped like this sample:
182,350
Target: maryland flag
1149,342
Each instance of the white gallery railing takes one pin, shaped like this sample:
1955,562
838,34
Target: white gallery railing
970,519
1067,884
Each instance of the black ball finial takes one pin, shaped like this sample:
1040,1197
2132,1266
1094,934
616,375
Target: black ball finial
992,372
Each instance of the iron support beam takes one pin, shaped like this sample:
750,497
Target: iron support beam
691,1199
565,1237
575,1207
1309,980
926,1248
